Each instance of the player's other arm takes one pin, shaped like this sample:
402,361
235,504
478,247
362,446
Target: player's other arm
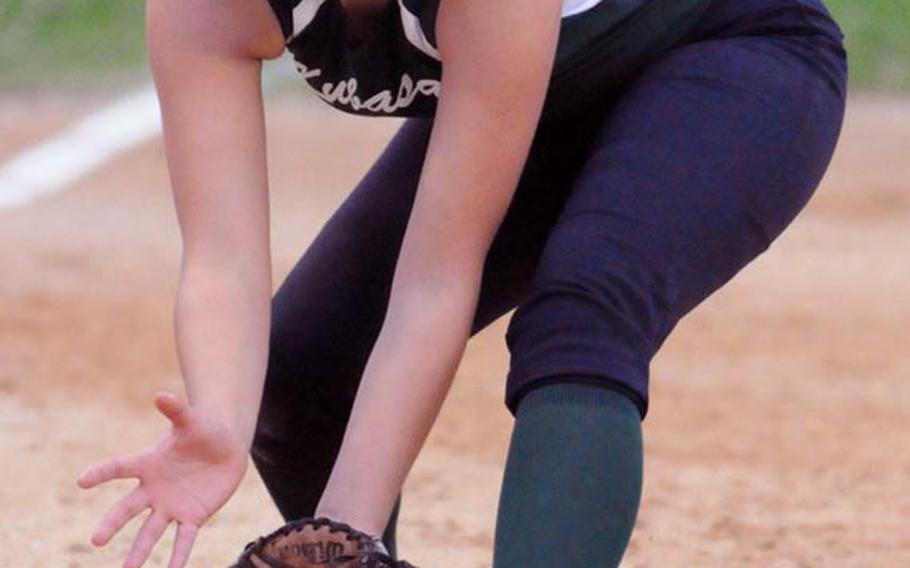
206,57
497,58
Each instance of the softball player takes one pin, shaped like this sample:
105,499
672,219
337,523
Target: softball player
603,166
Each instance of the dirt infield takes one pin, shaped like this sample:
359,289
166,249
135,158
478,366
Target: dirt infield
779,429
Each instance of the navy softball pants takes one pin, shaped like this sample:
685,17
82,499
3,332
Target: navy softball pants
623,221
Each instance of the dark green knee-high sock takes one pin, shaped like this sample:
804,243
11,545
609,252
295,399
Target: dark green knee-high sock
572,479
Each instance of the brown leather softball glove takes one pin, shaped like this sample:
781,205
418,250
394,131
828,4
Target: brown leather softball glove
318,542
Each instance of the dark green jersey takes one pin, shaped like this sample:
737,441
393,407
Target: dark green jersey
386,63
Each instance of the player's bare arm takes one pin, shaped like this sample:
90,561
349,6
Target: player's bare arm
493,90
206,57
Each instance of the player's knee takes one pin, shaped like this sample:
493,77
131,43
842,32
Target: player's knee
594,281
281,403
305,389
596,307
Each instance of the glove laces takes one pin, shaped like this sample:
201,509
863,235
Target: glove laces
369,559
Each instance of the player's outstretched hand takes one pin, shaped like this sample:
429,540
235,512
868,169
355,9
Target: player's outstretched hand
184,478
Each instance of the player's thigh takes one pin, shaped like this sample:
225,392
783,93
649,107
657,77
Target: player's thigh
325,317
703,162
329,310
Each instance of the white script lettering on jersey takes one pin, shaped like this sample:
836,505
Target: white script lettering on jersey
345,92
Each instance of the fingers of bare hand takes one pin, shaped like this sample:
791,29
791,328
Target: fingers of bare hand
120,514
183,543
148,536
173,408
119,467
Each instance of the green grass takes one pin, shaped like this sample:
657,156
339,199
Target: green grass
83,41
70,41
878,41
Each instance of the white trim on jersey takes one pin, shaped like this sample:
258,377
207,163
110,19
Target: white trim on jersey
572,7
305,11
303,14
414,32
